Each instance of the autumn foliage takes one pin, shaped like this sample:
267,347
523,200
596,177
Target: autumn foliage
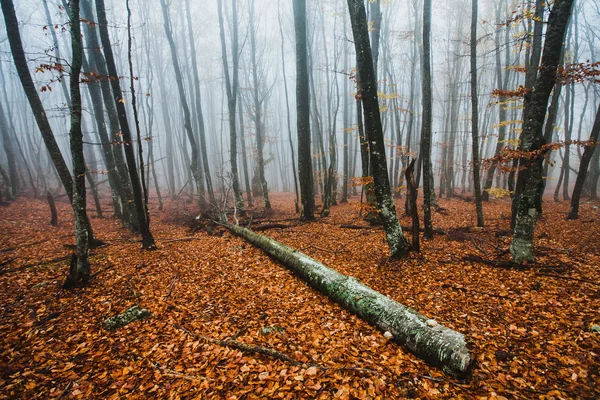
530,329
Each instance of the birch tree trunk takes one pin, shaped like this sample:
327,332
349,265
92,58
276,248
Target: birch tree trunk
428,340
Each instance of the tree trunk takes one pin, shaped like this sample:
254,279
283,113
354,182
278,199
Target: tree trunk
412,201
199,112
147,238
424,337
13,183
368,94
287,107
305,169
16,46
187,122
528,199
583,167
427,121
475,116
79,273
53,212
96,59
231,89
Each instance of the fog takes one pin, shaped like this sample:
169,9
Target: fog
166,148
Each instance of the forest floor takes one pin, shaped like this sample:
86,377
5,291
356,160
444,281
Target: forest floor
530,330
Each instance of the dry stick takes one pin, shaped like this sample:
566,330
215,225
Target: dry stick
478,247
247,348
95,274
171,286
568,278
36,264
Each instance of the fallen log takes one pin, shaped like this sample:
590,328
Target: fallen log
428,340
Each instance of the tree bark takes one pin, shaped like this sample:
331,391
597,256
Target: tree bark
147,238
374,132
13,182
16,46
79,273
427,121
428,340
187,122
305,169
412,201
476,161
53,212
583,167
287,107
528,199
231,90
199,112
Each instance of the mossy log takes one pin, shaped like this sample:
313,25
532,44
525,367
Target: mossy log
428,340
132,314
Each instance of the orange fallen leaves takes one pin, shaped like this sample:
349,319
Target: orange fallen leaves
530,333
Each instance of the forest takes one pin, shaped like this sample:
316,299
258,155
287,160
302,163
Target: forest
299,199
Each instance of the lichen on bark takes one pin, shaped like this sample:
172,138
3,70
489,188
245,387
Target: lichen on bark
434,343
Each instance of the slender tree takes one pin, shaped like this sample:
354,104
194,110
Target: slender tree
528,199
231,88
199,112
426,129
7,143
287,107
16,46
138,196
80,269
374,131
583,167
475,116
257,114
305,170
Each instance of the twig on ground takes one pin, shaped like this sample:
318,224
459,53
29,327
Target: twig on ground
478,247
568,278
95,274
171,287
252,349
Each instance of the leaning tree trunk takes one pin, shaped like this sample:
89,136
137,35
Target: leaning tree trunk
16,46
428,340
138,199
583,167
187,122
80,269
374,132
528,199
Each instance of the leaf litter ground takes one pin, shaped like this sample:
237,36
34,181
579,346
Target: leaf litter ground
530,330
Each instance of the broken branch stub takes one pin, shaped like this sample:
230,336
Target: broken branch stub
430,341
